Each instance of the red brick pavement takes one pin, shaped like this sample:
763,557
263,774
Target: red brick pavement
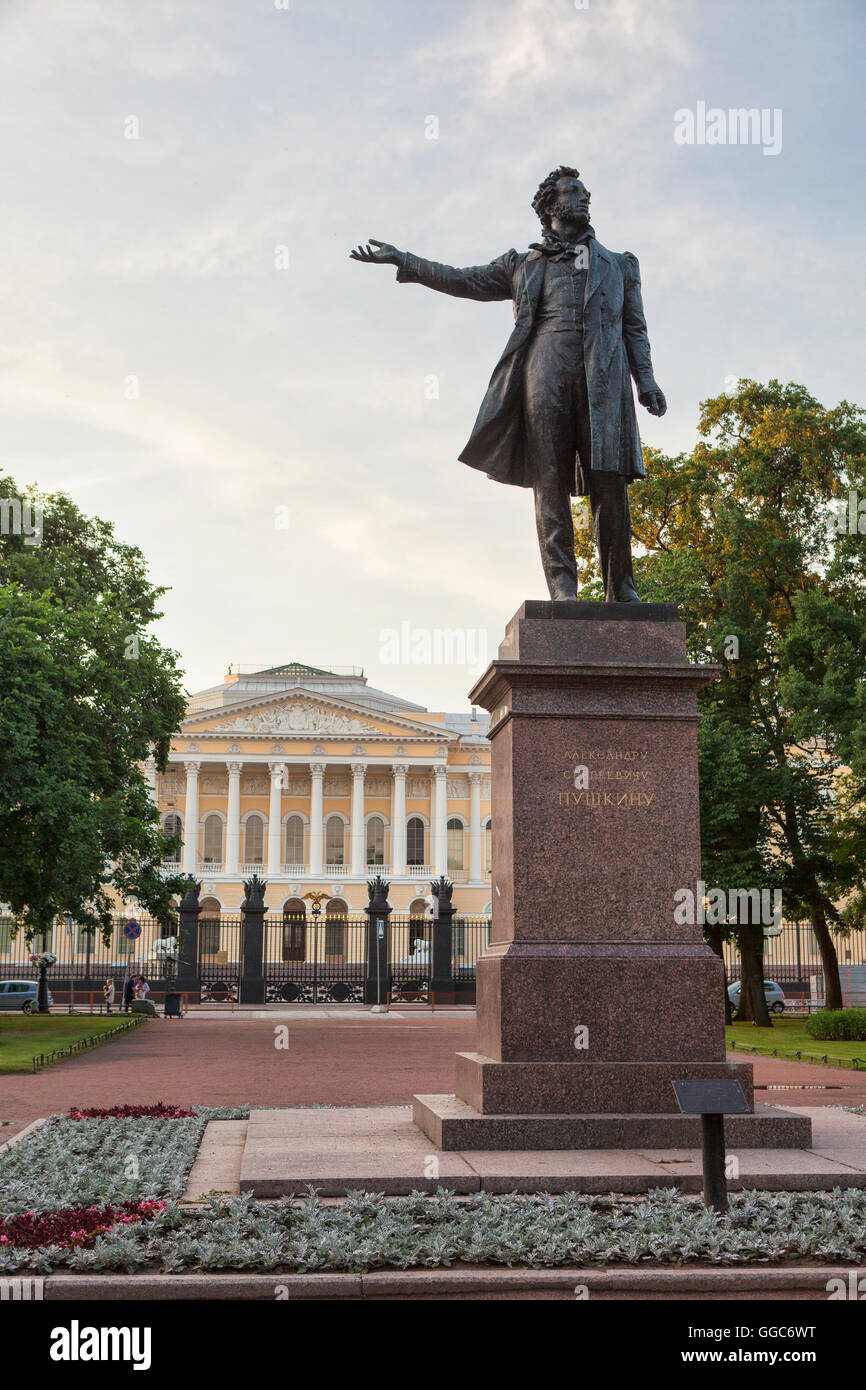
232,1061
333,1061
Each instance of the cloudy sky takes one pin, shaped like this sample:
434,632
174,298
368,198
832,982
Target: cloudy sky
187,350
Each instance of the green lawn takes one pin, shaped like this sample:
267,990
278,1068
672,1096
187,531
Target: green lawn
23,1037
788,1036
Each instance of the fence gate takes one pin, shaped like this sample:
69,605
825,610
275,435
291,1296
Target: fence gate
220,958
410,954
315,959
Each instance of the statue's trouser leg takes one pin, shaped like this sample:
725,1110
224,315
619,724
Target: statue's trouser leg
611,519
556,535
554,412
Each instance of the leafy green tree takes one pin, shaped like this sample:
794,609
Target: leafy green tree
86,696
747,534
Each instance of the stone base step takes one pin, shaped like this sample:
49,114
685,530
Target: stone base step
451,1124
381,1150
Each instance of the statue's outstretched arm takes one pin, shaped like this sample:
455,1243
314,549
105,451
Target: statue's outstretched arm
484,282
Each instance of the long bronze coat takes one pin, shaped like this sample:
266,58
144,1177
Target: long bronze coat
616,348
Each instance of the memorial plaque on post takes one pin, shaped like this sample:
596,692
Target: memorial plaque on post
712,1100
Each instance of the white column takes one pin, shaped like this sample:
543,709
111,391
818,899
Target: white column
357,829
475,825
190,819
317,772
440,863
278,772
433,849
233,819
398,820
150,774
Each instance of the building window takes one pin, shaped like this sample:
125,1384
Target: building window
172,826
418,908
336,930
415,841
295,841
294,929
375,840
455,844
213,840
254,840
335,840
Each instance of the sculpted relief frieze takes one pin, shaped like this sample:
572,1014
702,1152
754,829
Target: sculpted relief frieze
214,784
300,717
255,785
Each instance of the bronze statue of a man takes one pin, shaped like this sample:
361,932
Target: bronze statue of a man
559,413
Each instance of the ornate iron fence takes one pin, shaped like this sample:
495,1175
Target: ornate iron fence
220,957
315,959
325,960
410,958
305,959
792,959
470,937
138,945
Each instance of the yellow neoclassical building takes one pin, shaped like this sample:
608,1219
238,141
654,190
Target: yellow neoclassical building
317,781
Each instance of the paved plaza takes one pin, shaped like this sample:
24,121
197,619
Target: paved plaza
334,1057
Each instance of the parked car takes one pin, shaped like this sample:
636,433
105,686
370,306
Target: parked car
20,994
772,992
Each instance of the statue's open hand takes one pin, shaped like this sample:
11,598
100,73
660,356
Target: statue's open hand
383,254
653,399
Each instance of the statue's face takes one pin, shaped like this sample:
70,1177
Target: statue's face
572,201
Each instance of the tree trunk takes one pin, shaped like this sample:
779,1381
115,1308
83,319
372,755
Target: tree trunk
713,937
753,1001
829,959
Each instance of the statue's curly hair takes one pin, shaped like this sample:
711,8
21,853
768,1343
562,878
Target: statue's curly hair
545,195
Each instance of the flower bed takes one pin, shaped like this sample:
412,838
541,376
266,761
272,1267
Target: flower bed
94,1162
71,1227
159,1111
118,1164
428,1232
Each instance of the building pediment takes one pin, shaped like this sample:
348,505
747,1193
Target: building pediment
298,714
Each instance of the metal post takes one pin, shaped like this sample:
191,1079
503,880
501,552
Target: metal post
380,932
378,911
713,1145
441,964
70,936
252,984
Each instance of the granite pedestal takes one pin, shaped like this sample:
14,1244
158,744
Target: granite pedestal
592,996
